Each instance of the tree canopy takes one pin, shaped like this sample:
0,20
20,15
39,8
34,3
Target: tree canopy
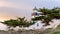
18,22
49,14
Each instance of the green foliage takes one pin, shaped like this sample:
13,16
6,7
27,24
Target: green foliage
18,22
12,22
49,14
58,32
58,27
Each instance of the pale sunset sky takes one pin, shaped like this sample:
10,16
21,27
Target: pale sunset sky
9,9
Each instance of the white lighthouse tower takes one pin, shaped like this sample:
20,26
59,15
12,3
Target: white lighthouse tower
38,23
36,13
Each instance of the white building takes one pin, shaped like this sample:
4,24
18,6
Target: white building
39,24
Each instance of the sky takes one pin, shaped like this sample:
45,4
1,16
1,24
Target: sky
10,9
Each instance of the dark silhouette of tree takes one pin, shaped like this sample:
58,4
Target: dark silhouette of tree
49,14
18,22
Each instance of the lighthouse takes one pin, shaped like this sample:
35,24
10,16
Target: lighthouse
36,13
